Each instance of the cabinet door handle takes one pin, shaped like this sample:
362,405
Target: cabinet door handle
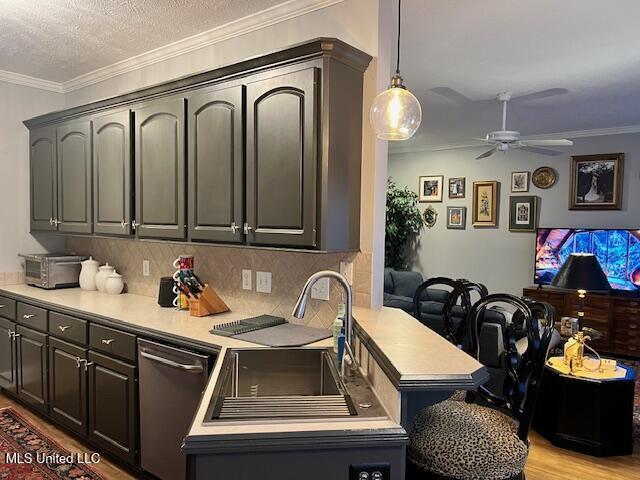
28,316
16,335
234,228
10,333
108,341
64,328
50,220
124,224
247,228
87,365
79,362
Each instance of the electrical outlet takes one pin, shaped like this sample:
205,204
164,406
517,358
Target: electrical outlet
320,289
246,279
263,282
145,268
371,471
346,269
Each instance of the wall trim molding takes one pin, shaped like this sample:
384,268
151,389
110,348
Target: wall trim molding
595,132
28,81
250,23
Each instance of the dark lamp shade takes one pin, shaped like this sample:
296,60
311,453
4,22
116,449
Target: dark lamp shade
582,272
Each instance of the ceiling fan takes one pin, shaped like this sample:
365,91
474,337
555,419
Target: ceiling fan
502,140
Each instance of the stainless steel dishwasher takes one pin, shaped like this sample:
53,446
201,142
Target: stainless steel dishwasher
171,385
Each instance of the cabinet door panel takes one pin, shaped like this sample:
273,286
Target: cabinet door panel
74,178
68,386
43,187
160,170
112,173
7,356
32,368
216,173
281,159
112,406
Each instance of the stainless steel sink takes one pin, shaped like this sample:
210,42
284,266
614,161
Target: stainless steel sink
279,383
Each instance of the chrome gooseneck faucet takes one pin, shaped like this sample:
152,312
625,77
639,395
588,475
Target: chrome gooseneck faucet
301,306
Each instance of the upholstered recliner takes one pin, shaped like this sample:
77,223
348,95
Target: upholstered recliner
486,437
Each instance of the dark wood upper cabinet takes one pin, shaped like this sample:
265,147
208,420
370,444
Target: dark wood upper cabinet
43,181
160,169
7,356
113,406
32,368
282,152
74,177
68,385
112,174
216,165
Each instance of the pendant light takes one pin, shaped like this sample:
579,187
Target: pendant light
395,113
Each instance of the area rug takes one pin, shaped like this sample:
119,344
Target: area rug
27,454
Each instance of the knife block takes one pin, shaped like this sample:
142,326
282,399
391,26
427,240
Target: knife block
209,303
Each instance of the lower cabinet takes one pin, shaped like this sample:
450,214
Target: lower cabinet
113,403
31,364
7,356
68,385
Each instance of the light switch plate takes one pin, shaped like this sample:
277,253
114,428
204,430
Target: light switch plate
145,268
320,289
263,282
346,269
246,280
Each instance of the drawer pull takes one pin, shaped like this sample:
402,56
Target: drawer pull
28,316
2,306
108,341
64,328
87,365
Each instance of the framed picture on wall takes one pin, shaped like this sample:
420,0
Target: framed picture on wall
523,213
430,188
485,204
596,182
519,182
457,188
457,218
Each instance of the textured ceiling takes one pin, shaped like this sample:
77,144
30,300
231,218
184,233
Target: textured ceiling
60,39
480,48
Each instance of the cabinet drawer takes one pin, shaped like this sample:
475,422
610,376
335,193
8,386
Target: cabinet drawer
113,342
31,316
68,328
7,308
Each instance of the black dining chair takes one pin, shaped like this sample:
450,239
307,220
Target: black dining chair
486,436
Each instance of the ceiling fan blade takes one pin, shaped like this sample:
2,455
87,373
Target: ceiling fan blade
560,142
451,94
551,92
486,154
483,140
542,151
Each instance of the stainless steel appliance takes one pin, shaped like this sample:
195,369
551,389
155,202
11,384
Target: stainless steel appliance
52,270
171,385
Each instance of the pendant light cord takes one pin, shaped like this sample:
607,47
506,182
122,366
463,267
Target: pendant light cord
398,53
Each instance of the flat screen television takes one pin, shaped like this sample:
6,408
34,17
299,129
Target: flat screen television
618,252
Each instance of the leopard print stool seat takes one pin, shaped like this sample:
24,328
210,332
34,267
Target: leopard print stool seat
465,441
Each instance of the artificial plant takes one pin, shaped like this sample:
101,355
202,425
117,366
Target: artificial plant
404,223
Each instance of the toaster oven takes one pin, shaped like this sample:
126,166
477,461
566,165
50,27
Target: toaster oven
52,270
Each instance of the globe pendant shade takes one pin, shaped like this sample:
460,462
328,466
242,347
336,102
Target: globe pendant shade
395,114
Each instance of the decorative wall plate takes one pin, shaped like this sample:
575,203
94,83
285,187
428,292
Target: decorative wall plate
544,177
430,216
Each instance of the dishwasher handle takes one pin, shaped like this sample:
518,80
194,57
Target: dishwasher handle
171,363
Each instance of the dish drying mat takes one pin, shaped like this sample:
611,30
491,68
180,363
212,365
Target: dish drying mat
271,331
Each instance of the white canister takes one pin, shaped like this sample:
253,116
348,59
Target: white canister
88,274
101,277
114,284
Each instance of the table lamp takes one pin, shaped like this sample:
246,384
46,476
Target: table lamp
582,272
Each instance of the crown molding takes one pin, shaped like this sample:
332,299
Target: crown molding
241,26
27,81
595,132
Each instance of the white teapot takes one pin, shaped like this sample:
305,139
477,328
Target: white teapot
88,274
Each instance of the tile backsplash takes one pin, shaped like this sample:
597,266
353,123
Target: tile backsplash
11,278
221,267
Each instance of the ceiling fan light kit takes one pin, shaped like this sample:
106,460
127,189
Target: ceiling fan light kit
396,114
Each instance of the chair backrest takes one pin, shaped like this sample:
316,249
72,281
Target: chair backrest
523,370
454,333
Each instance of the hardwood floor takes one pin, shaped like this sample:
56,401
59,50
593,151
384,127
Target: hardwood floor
106,468
546,462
